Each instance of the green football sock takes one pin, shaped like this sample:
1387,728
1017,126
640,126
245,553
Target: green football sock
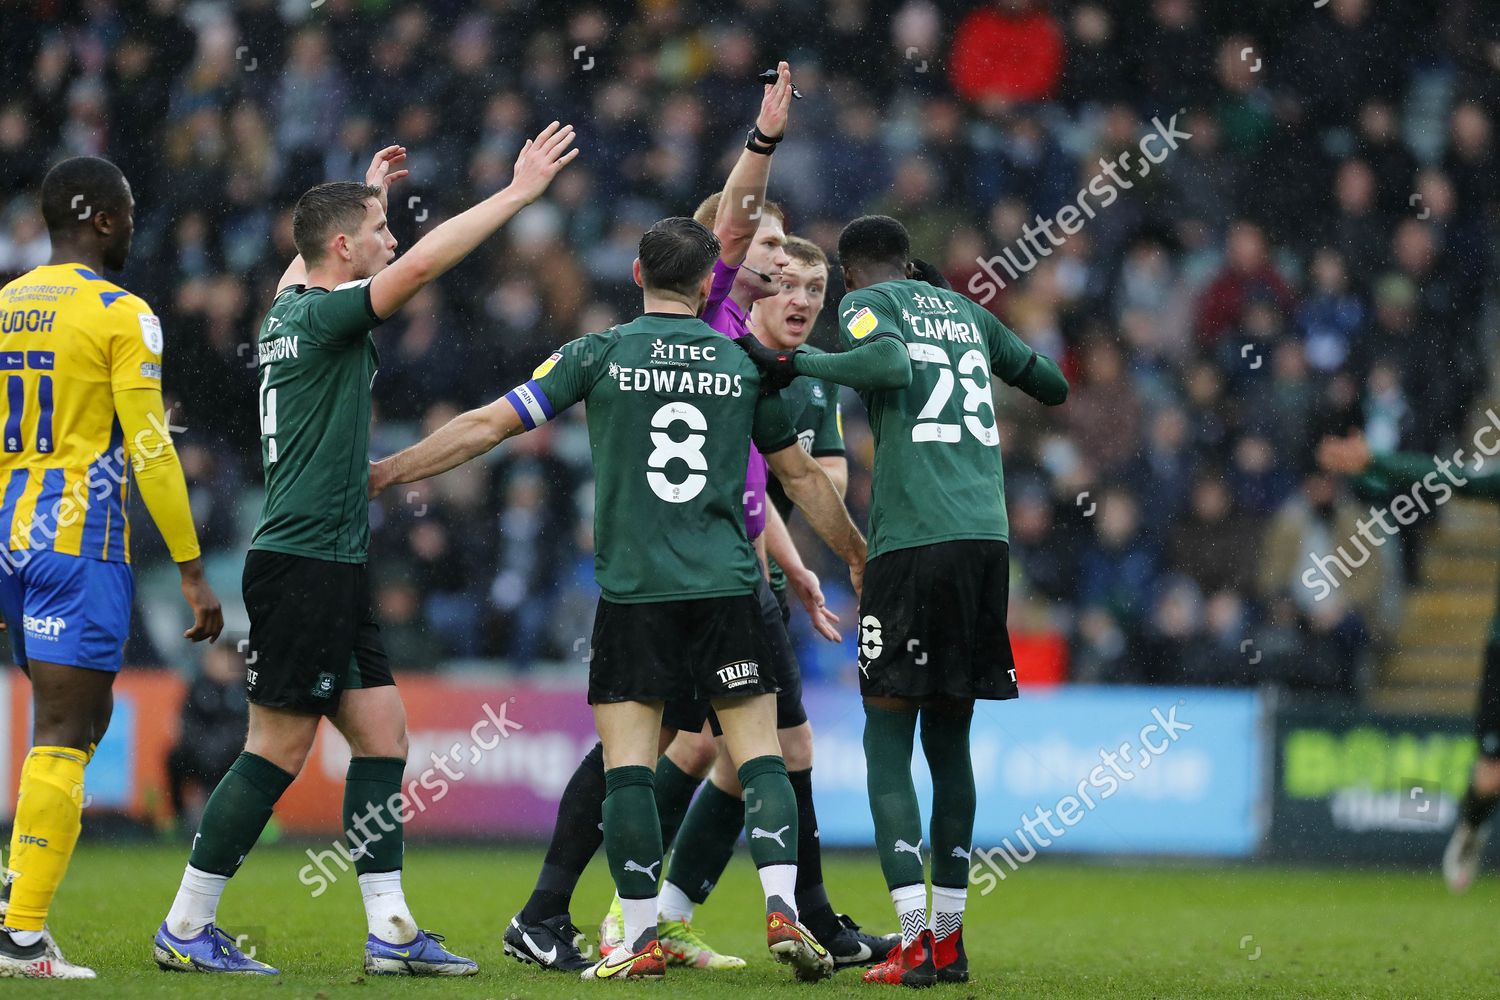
674,791
372,824
632,831
893,798
706,841
236,813
945,742
770,812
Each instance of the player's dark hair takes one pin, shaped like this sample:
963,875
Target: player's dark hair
76,188
874,239
335,207
676,253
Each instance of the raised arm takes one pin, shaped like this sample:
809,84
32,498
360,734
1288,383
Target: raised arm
745,191
447,244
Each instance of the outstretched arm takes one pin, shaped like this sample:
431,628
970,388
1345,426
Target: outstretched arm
540,160
803,581
807,484
745,191
465,437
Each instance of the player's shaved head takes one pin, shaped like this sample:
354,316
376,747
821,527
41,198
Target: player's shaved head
77,188
325,211
676,254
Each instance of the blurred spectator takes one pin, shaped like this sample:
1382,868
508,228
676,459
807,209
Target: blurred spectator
210,730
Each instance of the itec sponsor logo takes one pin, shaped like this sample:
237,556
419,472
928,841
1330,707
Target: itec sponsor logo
50,627
665,353
737,675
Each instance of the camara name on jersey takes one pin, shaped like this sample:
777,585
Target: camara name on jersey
943,329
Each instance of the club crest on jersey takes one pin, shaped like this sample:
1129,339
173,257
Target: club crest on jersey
151,332
737,675
546,366
862,324
324,687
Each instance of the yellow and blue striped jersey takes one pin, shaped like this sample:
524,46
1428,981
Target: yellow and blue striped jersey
69,339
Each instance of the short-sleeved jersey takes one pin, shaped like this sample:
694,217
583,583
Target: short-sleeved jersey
317,364
69,340
672,409
937,474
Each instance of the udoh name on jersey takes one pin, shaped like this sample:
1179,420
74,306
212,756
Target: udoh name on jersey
27,320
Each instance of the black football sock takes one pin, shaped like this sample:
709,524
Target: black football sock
1476,810
576,837
813,907
674,792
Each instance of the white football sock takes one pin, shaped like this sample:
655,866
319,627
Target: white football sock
197,903
23,938
640,917
911,910
386,912
673,904
947,910
781,880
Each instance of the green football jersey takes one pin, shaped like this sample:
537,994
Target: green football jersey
812,405
672,408
938,475
317,364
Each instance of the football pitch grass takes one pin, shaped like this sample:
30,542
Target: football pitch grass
1055,929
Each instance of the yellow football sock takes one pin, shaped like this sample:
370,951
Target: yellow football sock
49,814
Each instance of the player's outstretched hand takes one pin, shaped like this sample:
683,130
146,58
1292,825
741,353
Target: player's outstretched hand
804,583
1347,456
385,169
776,103
541,159
923,271
208,616
777,368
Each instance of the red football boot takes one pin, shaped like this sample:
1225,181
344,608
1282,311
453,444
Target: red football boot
949,957
909,966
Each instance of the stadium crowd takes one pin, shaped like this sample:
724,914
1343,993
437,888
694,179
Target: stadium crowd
1318,255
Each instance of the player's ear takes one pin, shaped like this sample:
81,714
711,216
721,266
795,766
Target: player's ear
635,272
